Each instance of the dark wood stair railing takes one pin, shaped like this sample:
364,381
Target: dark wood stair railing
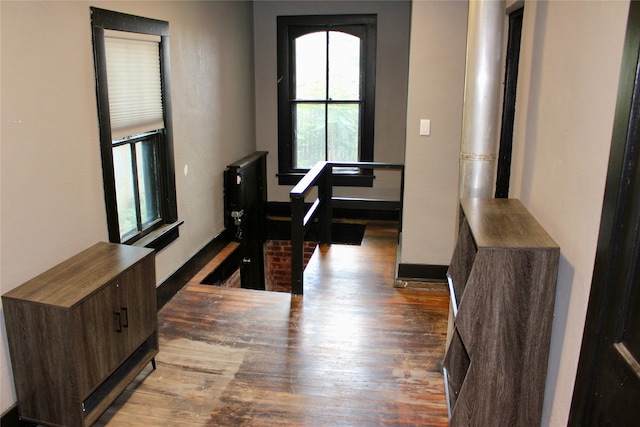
321,175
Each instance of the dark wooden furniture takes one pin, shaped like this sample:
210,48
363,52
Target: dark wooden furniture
80,332
502,281
245,215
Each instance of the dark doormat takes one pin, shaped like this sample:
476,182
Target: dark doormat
347,234
343,233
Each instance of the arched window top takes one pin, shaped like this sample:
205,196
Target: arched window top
327,66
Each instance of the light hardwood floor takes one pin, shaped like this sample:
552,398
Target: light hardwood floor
353,351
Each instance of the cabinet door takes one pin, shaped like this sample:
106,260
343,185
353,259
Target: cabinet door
98,338
138,303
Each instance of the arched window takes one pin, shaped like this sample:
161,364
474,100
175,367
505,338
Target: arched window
326,91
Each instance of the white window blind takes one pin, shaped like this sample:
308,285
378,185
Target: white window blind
133,79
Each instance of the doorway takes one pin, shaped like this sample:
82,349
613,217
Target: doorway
509,102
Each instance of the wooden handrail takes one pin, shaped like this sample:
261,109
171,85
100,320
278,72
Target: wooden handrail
320,175
309,180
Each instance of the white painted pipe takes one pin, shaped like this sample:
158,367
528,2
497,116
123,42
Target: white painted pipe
480,120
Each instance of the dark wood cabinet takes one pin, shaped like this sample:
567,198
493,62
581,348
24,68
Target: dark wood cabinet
80,332
502,280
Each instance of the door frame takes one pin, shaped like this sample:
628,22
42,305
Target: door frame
503,173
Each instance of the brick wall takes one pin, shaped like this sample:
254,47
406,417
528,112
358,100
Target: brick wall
278,263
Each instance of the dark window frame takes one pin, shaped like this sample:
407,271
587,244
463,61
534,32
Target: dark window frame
164,231
156,138
290,27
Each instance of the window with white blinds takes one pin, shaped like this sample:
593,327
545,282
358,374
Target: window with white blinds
133,95
134,83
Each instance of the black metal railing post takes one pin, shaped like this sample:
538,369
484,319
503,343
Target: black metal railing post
325,215
301,220
321,175
297,244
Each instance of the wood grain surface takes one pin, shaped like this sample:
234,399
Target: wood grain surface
503,275
64,340
504,223
353,351
73,280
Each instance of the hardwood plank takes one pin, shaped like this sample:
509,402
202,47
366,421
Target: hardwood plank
353,351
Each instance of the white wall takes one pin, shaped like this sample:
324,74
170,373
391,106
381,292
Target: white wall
391,85
52,203
436,91
569,67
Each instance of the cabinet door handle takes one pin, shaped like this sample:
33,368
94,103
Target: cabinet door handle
126,316
118,321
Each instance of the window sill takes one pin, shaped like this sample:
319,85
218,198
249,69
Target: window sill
339,180
161,237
